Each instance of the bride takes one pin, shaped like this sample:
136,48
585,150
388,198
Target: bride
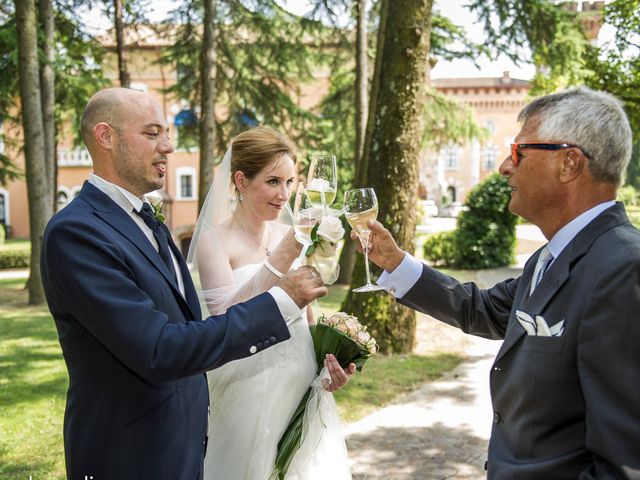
239,250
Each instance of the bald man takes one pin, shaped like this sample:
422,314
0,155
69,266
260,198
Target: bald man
128,318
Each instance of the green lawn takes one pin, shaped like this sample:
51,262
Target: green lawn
33,381
15,244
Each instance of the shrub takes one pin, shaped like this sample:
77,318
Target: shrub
485,235
628,195
440,249
15,258
3,234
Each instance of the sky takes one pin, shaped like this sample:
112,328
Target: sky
453,9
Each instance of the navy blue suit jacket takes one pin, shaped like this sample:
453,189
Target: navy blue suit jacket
135,348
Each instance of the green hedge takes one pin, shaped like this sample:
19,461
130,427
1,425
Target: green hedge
14,258
486,233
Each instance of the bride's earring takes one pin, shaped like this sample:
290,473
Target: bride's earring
240,196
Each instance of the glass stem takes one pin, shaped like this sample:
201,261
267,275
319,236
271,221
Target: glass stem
365,249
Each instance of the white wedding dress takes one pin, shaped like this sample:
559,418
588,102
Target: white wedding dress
252,401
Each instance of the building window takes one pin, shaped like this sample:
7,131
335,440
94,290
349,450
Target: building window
4,207
451,194
489,157
451,158
186,186
490,125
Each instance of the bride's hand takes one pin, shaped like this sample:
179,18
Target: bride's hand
339,376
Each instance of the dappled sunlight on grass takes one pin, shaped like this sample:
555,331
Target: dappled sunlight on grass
34,382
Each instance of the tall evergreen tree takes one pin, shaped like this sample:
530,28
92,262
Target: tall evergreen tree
47,90
207,101
361,107
119,28
34,146
263,54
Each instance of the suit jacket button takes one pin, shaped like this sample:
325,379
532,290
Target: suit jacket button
259,345
496,418
253,349
272,339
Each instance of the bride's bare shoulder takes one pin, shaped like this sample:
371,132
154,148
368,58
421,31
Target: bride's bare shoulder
214,235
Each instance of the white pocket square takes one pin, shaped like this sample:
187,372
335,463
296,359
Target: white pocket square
538,326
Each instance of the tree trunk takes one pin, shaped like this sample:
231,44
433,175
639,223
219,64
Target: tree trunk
207,102
47,84
348,254
362,67
34,147
123,73
393,148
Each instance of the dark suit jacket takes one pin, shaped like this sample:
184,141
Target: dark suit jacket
135,349
564,407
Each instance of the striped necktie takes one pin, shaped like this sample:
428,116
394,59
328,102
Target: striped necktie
161,233
544,259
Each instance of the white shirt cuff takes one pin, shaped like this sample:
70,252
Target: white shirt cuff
403,278
288,308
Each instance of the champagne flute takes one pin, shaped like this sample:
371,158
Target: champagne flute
322,180
305,216
361,205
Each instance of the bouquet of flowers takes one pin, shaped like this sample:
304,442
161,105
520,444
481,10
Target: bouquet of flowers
346,338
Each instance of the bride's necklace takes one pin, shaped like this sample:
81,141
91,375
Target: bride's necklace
267,251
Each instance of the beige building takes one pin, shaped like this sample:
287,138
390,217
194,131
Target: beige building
449,174
446,176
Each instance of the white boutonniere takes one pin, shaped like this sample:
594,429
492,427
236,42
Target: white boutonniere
157,210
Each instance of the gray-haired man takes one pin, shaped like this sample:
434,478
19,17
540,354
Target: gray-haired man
564,384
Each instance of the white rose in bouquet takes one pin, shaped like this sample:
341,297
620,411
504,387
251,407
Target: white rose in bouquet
330,229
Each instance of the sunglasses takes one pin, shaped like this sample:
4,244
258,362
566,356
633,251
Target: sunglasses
515,149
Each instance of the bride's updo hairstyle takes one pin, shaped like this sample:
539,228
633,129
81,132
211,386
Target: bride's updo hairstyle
253,149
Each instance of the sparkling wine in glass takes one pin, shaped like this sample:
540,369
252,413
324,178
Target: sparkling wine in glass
305,215
361,205
322,180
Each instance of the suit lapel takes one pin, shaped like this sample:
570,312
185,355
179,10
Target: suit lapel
557,275
107,210
189,288
121,222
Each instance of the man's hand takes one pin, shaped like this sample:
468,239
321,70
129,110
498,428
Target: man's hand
339,376
303,285
383,249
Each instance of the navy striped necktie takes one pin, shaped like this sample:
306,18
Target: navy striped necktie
161,234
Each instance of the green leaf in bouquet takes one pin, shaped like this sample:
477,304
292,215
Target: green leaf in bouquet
315,240
327,340
290,441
